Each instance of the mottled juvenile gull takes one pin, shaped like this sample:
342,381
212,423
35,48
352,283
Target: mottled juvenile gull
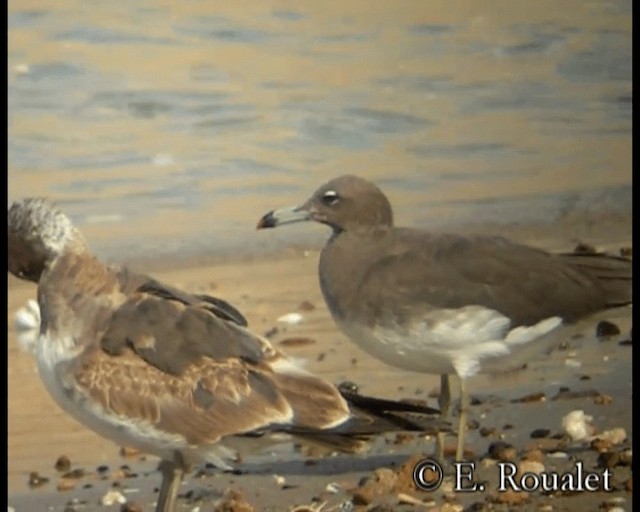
445,303
170,373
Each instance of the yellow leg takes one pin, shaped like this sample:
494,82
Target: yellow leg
444,401
462,423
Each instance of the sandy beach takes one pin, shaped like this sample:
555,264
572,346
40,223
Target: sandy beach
166,129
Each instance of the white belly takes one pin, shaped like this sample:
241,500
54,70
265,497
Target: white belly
464,341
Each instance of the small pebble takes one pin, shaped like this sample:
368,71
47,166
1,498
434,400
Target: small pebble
626,457
305,305
407,499
381,482
348,387
450,507
558,455
578,425
615,435
540,433
473,424
487,431
63,464
297,342
601,445
112,498
530,466
603,400
126,451
66,484
103,469
533,397
75,474
291,318
535,455
502,451
131,506
606,329
332,487
584,248
608,460
36,480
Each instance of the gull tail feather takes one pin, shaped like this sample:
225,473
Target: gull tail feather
613,273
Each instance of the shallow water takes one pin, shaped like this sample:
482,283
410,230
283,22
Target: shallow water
163,127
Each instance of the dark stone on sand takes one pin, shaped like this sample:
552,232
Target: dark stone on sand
540,433
75,474
63,464
608,460
532,397
487,431
503,452
381,483
626,457
299,341
565,393
36,480
348,386
232,501
583,248
305,305
603,399
131,506
606,329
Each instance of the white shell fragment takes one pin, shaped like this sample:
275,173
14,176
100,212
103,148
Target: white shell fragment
291,318
112,498
578,425
332,487
614,436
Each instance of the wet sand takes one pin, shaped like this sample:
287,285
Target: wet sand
269,287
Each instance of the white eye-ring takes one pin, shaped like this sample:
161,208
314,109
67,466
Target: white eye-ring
330,197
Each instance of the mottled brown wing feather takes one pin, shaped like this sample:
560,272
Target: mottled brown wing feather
210,400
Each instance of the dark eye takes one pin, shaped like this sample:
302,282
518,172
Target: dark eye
330,197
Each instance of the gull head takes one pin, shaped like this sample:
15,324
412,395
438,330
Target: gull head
37,234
